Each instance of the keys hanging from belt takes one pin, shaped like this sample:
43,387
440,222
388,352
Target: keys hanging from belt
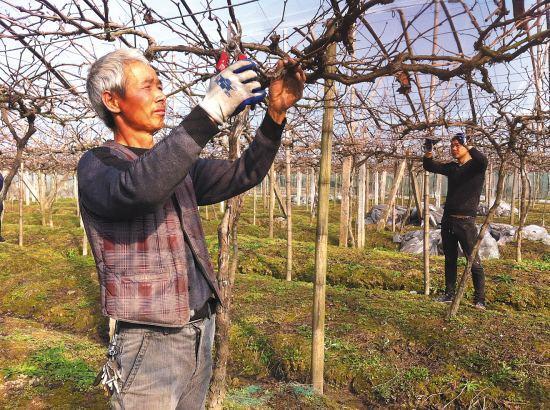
110,375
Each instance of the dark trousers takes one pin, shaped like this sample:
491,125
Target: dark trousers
461,230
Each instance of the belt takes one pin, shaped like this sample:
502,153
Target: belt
206,311
462,216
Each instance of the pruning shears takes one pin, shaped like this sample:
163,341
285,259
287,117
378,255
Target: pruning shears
233,47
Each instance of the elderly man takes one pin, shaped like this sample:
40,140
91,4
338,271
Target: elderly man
465,182
139,206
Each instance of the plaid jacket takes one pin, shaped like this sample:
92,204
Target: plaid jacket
137,231
141,262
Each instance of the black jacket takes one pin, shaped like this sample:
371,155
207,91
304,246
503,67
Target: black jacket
465,182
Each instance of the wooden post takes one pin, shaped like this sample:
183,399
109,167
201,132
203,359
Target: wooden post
312,190
367,190
288,216
345,202
21,199
361,206
318,343
489,184
402,192
299,188
254,194
514,194
84,240
264,193
28,190
75,194
383,180
523,204
393,217
306,199
426,233
376,194
272,176
438,183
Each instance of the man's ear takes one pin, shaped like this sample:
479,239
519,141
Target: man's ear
111,101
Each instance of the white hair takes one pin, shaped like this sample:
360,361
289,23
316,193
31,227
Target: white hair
107,74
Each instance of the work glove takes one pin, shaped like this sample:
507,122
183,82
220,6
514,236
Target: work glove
429,144
461,138
232,90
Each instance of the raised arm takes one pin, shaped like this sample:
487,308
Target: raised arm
479,159
431,165
217,180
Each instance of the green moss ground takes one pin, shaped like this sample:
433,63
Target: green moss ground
386,344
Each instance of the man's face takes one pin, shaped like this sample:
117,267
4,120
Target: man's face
457,149
143,105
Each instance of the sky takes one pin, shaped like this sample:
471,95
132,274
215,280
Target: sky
258,18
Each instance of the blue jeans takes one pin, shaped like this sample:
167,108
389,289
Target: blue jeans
165,368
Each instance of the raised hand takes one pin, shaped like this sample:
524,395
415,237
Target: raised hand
285,90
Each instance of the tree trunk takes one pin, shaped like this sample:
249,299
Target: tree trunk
416,191
288,217
391,201
318,320
279,197
227,267
514,194
21,143
345,202
523,206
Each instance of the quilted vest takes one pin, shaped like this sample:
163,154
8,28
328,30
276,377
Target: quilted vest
141,262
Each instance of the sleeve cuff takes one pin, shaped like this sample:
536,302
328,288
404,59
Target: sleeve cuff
199,126
271,129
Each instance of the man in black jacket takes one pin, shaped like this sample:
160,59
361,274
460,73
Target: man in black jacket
465,182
